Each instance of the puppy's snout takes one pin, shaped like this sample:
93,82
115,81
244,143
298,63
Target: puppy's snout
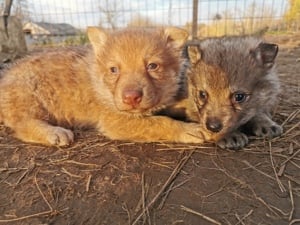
132,97
214,124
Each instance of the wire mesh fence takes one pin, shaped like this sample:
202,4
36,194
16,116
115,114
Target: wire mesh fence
213,18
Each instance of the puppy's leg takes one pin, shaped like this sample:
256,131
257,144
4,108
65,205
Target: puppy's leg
38,131
263,126
150,129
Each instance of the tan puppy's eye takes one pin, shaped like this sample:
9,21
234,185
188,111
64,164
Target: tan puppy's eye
152,67
203,95
114,70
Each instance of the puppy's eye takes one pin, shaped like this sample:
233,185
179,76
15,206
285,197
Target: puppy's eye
114,70
203,95
239,97
152,67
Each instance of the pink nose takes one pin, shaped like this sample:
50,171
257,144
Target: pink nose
132,97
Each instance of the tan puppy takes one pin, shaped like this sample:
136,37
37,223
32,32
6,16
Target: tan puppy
115,86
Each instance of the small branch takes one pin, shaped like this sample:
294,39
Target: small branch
87,186
27,217
43,196
292,201
244,217
281,187
201,215
173,175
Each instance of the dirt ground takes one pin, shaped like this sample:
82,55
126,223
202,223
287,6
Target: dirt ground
98,181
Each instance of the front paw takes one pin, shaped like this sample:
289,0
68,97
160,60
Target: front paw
267,130
58,136
234,141
191,133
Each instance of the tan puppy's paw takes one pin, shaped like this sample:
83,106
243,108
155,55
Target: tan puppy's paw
59,136
191,133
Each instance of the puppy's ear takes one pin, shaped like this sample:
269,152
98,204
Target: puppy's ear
193,53
265,54
97,37
176,36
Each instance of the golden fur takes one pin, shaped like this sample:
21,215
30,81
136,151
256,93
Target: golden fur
115,86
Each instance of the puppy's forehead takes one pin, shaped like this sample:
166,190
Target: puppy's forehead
210,77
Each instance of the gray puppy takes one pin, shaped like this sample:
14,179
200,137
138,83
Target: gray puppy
232,89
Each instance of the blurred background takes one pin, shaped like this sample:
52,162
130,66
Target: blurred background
63,22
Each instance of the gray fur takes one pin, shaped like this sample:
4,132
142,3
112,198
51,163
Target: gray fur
251,69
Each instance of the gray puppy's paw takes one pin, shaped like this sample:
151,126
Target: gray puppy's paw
267,130
234,141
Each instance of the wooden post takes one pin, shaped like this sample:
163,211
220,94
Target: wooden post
195,20
6,14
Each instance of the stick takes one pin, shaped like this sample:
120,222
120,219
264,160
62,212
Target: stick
201,215
281,187
173,175
292,201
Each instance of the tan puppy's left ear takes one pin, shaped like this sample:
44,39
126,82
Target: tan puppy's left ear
176,36
97,37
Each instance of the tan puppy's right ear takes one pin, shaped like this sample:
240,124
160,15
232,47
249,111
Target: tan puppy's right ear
194,53
176,36
97,37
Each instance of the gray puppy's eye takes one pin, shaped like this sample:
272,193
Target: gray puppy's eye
239,97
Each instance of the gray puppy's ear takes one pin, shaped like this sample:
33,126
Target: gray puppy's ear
265,54
193,53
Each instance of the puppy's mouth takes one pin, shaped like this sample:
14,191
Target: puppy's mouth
214,131
141,108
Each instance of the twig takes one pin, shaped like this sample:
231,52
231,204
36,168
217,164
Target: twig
201,215
171,188
144,198
50,211
291,117
87,186
43,196
292,179
21,177
244,217
259,171
292,128
294,221
215,192
65,160
292,201
289,158
70,174
27,217
125,208
243,183
239,219
165,195
281,187
173,175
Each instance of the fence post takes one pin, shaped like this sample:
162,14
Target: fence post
195,19
6,14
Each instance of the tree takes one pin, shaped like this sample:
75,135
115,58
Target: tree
109,13
19,9
141,21
292,16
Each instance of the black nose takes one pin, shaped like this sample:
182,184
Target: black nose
214,124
